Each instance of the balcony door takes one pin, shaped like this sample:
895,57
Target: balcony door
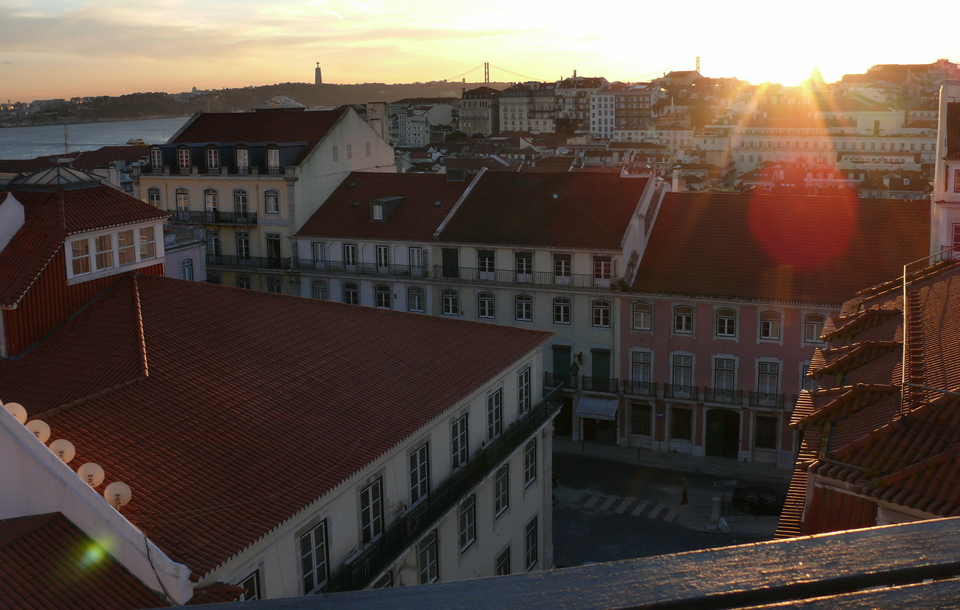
450,262
600,367
561,363
273,249
485,263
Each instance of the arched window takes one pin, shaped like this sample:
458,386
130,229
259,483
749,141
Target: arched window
683,319
214,278
451,303
351,294
524,308
486,305
243,281
382,294
813,327
271,202
561,310
642,316
319,289
240,204
153,196
183,204
415,299
275,285
726,323
770,325
211,204
601,313
186,269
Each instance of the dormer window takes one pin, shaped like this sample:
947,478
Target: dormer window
156,159
109,252
213,158
183,158
376,211
273,160
243,160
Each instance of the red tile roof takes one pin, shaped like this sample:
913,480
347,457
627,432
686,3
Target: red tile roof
773,246
547,210
260,127
49,217
85,160
253,405
415,219
47,562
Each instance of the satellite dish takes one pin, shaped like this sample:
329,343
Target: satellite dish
64,450
17,410
91,473
117,494
40,430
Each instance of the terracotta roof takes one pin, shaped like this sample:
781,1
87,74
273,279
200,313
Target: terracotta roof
259,127
346,213
86,160
230,420
47,562
49,217
547,210
771,246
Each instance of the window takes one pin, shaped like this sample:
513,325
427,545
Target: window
726,323
273,160
80,255
104,251
459,441
213,158
451,302
724,378
562,269
240,204
148,244
415,299
214,278
243,281
640,419
319,255
770,325
213,243
243,245
319,289
561,310
416,260
243,160
126,248
486,305
273,249
530,462
485,265
383,259
313,558
768,378
419,473
351,294
494,415
183,158
336,153
429,566
601,314
468,522
368,148
524,266
642,316
183,204
210,204
641,367
765,432
186,269
682,370
382,294
813,327
501,490
602,269
376,211
271,202
503,563
153,196
530,544
524,308
350,256
524,399
371,511
683,319
156,160
681,423
251,587
349,151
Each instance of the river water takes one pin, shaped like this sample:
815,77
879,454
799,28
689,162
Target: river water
38,141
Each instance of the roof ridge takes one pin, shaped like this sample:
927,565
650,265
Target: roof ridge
141,339
849,393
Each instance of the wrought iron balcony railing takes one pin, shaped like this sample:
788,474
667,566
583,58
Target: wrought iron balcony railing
407,529
367,269
553,380
212,217
766,399
600,384
723,396
683,392
474,275
247,262
640,388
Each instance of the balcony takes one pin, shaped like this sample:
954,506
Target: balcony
683,392
640,388
723,396
405,531
510,277
367,269
600,384
213,217
552,380
766,399
247,262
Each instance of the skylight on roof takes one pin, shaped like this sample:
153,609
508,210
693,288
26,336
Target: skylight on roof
438,202
355,204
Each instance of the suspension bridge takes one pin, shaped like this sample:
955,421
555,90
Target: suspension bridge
489,73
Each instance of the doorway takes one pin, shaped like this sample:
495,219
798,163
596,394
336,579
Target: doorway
723,433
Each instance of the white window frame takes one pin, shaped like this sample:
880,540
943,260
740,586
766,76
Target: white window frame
682,321
130,247
451,302
502,563
501,490
271,201
350,257
156,159
494,414
812,330
351,293
317,557
371,511
530,462
523,308
186,269
382,294
531,542
768,376
153,196
776,431
602,313
243,160
486,305
213,158
415,299
467,521
726,323
524,393
428,559
460,441
419,470
641,319
318,289
770,328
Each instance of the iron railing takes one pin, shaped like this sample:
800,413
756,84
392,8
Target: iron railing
576,281
553,380
766,399
248,262
405,531
724,396
600,384
684,392
640,388
366,269
212,217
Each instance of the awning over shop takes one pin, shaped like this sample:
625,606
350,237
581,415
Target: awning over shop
597,408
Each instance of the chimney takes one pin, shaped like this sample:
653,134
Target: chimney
574,74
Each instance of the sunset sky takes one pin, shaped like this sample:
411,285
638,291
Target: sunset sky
65,48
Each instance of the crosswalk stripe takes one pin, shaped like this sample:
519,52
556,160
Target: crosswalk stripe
656,511
590,502
670,516
623,506
608,503
639,509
